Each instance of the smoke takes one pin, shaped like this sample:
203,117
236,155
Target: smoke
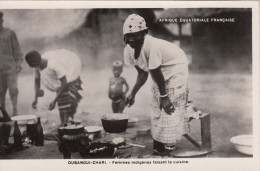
37,24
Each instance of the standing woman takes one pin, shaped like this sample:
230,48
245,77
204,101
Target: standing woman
168,66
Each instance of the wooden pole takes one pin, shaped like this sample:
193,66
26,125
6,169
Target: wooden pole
191,140
205,131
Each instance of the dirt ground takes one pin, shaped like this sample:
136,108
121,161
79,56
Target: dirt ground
227,97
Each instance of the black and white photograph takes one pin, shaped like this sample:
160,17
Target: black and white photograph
163,85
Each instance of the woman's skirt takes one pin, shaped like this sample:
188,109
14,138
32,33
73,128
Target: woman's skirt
169,128
69,99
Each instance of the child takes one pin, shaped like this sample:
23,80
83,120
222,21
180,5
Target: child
116,93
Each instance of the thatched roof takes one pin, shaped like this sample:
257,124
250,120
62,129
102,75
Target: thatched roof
197,12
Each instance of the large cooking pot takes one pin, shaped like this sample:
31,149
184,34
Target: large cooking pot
72,138
115,123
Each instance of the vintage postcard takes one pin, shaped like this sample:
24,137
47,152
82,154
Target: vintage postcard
168,85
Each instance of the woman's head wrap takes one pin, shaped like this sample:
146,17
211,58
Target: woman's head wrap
134,23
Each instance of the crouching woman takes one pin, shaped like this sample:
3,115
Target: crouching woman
59,71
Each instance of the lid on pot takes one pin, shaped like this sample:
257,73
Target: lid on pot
73,129
23,117
93,129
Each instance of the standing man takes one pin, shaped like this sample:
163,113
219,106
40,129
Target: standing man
10,65
59,71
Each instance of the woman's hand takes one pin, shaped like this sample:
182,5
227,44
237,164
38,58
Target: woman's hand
124,96
130,99
52,105
167,105
165,102
34,104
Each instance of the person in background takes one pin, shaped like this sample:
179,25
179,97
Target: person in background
116,85
5,117
10,65
59,71
168,66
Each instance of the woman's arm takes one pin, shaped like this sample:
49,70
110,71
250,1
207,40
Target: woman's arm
126,86
159,79
141,79
165,102
37,86
109,89
63,87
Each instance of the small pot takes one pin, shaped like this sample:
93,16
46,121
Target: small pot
132,122
94,132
